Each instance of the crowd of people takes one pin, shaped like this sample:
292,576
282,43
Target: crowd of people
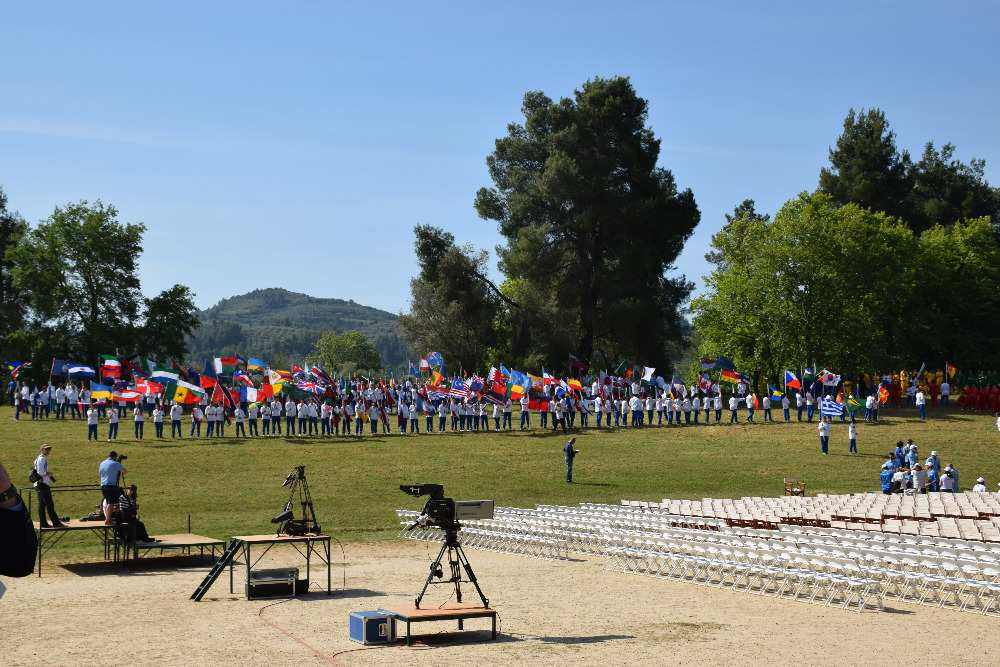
407,408
904,472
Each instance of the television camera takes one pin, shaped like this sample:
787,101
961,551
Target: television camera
444,513
298,493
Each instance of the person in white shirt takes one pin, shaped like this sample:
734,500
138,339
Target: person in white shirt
265,418
809,406
403,417
414,418
240,422
158,421
784,408
508,411
824,435
429,416
92,420
766,406
60,397
139,418
43,487
525,413
373,416
112,425
945,393
717,406
196,418
302,410
349,415
275,416
253,414
608,408
585,410
650,409
313,414
921,402
918,479
852,437
325,417
980,486
695,407
290,411
72,396
686,407
635,406
733,407
749,404
799,405
176,412
362,412
209,421
496,417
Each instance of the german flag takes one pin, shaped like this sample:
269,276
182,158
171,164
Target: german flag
732,377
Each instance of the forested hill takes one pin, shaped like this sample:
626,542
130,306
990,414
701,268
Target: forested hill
281,327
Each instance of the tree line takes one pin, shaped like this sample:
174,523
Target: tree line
889,263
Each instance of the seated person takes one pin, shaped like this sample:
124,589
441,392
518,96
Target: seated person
126,510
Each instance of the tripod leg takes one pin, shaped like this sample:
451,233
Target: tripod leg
472,576
454,562
430,575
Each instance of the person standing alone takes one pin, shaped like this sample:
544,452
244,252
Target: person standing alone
43,486
824,435
570,454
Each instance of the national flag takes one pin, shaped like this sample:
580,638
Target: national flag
725,364
436,379
828,378
792,381
574,384
126,395
15,367
111,366
180,391
547,378
266,390
538,402
515,392
100,391
412,370
207,382
730,377
75,370
435,360
243,378
310,387
830,408
254,364
424,366
476,384
807,373
647,373
775,394
950,369
883,395
576,365
225,365
164,375
148,387
854,404
458,388
320,375
519,378
58,367
708,363
705,383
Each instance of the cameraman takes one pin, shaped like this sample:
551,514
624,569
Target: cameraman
18,542
110,472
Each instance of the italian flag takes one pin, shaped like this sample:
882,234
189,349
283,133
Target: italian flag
226,364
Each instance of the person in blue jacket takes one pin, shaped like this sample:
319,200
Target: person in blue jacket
885,478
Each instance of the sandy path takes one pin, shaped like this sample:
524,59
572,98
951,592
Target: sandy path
552,612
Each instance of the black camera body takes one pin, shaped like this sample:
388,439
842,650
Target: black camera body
437,511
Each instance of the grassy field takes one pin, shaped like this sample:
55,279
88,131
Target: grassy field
232,487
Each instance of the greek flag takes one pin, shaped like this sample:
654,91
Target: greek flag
830,408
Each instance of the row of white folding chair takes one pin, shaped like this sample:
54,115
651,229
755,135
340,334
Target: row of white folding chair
544,545
964,547
755,571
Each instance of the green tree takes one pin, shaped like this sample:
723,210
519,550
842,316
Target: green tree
12,228
958,298
591,226
946,190
347,352
454,307
866,168
820,283
78,273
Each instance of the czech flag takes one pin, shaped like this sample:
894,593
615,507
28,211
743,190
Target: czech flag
792,380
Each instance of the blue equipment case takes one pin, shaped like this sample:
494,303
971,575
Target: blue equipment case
372,627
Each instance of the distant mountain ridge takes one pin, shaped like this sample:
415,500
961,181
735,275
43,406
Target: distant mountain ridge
281,327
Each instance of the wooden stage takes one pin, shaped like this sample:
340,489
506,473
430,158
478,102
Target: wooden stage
184,542
49,537
449,612
306,545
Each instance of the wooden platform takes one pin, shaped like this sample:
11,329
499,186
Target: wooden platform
278,539
183,541
51,536
449,612
73,524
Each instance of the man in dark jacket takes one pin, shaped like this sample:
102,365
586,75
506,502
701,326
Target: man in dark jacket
18,542
570,454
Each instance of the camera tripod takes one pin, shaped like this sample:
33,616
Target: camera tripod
457,561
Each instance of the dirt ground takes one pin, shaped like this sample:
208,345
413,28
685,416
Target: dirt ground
551,612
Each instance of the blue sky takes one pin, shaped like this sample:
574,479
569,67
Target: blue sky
296,144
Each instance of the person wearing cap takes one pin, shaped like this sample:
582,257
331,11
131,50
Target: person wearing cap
43,487
885,477
947,481
953,473
570,454
110,472
918,479
980,486
911,453
920,400
933,467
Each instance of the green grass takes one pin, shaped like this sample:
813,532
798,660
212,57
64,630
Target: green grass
233,487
